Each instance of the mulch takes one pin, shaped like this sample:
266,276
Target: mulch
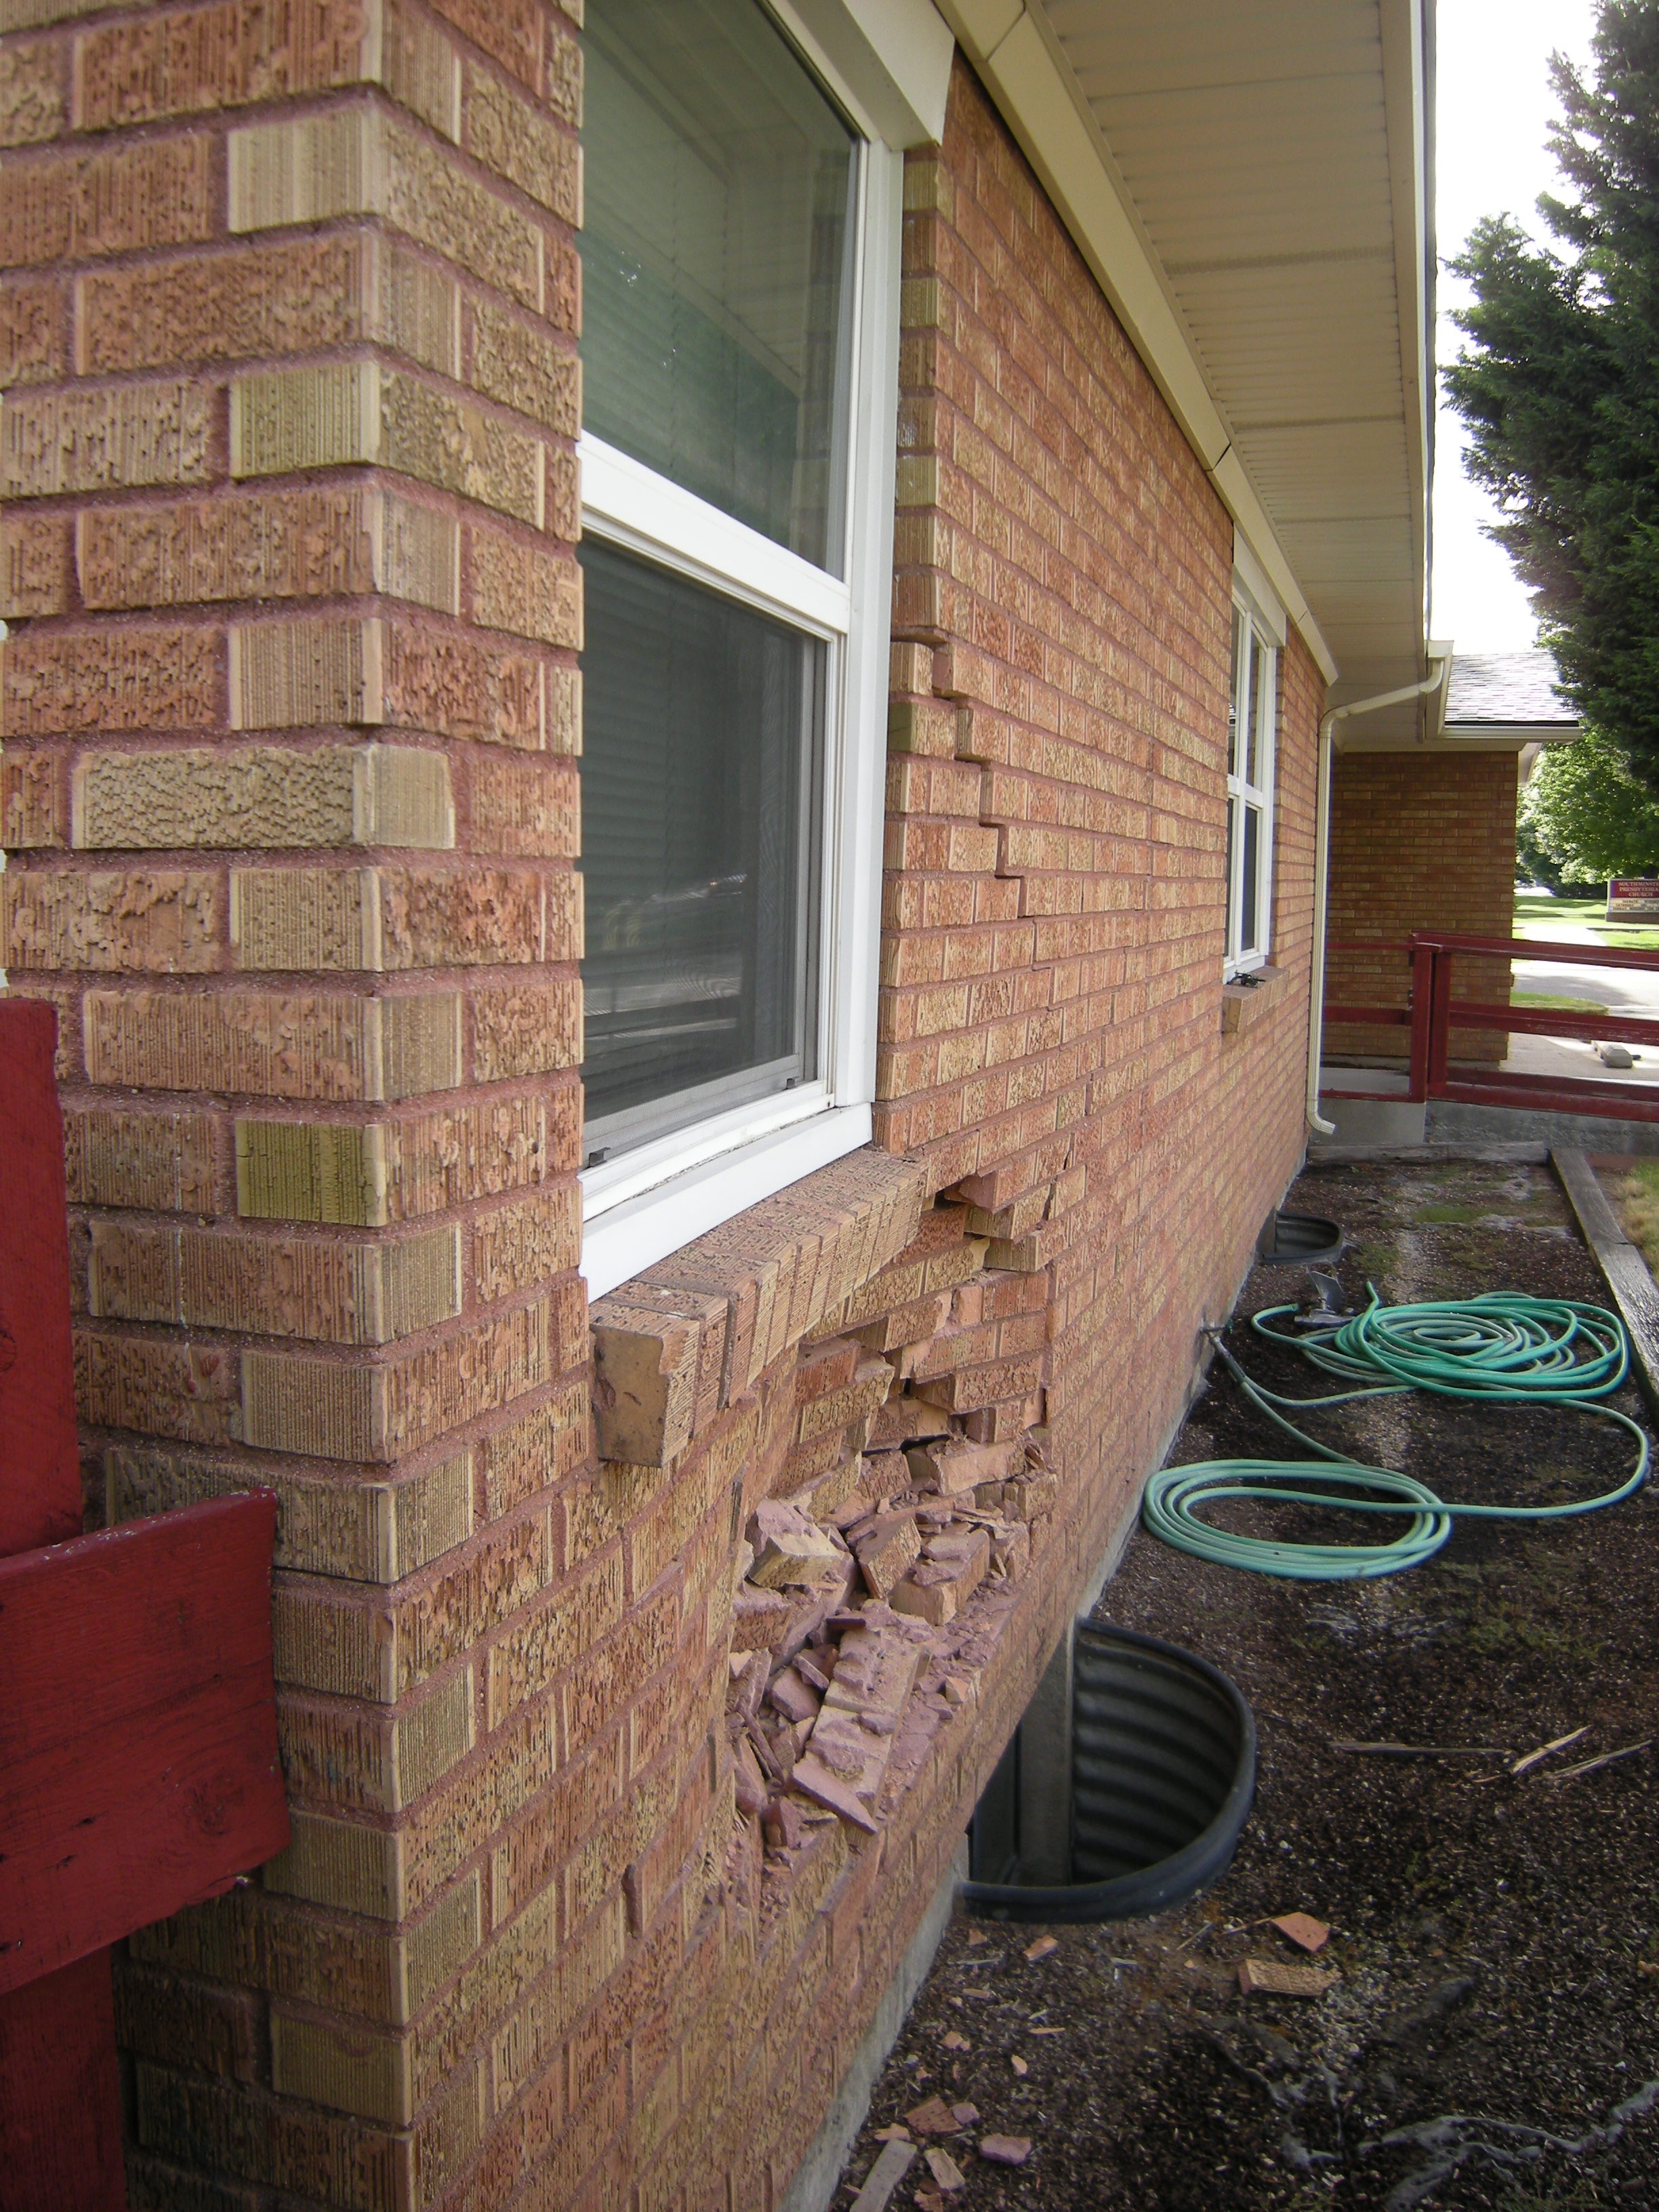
1497,1939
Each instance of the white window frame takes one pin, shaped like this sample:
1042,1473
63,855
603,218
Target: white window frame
651,1200
1258,666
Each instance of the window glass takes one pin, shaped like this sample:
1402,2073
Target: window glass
698,794
1250,901
1250,792
719,185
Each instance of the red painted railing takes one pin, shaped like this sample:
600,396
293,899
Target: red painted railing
1433,1013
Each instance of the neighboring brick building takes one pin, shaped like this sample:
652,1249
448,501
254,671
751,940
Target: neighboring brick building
1417,843
910,1182
1423,837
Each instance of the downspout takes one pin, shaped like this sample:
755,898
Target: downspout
1323,860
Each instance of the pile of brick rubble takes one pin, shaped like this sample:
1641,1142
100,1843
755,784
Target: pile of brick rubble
842,1624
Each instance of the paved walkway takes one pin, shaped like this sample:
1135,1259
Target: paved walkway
1629,991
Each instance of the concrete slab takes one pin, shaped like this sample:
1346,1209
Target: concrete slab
817,2180
1331,1154
1449,1123
1373,1120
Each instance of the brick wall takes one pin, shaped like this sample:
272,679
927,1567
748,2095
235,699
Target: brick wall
1419,841
290,710
595,1886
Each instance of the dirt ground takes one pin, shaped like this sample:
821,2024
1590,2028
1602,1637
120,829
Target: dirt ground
1496,1938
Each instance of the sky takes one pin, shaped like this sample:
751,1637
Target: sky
1495,104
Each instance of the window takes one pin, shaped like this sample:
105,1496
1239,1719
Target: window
1250,729
739,263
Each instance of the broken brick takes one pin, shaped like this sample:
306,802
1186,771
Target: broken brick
794,1698
886,1549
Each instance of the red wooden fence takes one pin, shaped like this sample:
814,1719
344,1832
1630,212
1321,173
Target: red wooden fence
138,1766
1433,1013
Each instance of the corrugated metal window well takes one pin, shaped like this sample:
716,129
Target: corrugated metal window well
1151,1787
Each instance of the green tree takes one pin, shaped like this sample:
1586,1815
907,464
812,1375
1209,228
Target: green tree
1558,387
1533,864
1586,812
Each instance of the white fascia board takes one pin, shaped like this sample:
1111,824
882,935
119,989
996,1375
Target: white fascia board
1253,530
893,57
1405,105
1252,579
1014,52
1472,737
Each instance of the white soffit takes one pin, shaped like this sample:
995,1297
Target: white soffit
1249,185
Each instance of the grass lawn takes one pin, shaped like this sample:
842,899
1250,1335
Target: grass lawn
1541,916
1636,1196
1546,998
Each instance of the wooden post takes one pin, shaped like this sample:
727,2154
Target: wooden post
1439,1020
1422,957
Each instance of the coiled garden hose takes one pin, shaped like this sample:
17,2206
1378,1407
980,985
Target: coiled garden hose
1504,1346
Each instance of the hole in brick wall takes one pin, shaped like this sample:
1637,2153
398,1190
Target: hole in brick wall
1124,1791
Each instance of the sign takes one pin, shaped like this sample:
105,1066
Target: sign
1632,895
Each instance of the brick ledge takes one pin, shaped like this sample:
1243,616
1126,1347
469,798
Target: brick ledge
1243,1003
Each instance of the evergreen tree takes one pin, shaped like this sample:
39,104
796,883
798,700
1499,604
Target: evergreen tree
1559,388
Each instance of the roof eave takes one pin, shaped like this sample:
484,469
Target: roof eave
1014,51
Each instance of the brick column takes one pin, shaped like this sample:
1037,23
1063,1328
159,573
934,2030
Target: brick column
287,335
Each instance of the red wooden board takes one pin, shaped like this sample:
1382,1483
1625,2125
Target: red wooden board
138,1766
40,1463
60,2094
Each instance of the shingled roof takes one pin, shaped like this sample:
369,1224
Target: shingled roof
1507,690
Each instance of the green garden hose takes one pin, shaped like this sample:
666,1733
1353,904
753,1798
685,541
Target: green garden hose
1504,1347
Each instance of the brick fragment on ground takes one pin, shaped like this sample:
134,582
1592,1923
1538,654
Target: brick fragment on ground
944,2169
885,2175
1303,1930
1274,1979
1005,2150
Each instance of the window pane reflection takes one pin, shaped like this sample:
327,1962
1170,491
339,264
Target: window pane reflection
699,777
718,186
1248,933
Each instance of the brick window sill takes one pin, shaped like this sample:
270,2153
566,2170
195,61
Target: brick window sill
1243,1003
